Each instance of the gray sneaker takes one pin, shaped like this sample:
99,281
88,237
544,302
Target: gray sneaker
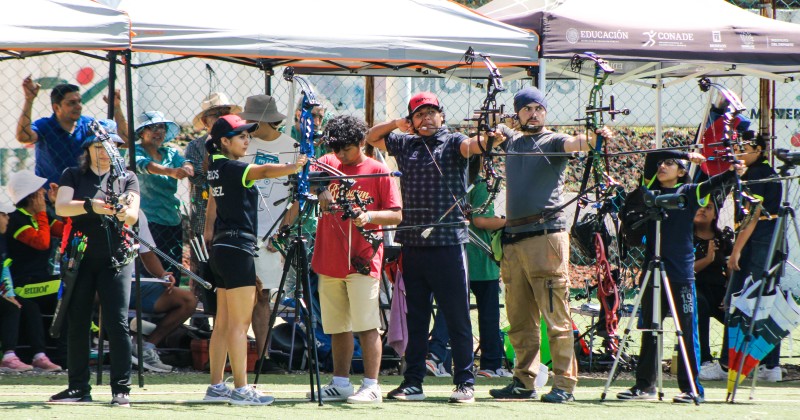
215,394
151,361
464,393
121,400
250,396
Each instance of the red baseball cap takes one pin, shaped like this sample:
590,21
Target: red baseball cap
422,99
227,126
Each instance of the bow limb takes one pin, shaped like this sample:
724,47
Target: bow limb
733,108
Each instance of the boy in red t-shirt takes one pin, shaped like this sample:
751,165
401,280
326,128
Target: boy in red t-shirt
347,265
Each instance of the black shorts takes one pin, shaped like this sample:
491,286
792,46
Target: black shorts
232,267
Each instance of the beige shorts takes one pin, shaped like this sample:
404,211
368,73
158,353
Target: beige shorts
349,304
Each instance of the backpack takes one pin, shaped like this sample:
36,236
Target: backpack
633,209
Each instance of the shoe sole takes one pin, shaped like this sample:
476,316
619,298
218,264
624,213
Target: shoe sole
236,402
417,397
71,401
460,401
644,398
329,399
224,399
378,401
531,398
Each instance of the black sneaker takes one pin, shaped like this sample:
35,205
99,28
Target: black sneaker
121,399
71,395
558,396
636,393
407,391
686,398
514,391
464,393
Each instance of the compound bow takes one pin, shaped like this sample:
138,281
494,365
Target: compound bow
733,108
487,119
306,131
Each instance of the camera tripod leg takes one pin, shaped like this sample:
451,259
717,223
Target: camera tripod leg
626,334
769,274
273,316
304,299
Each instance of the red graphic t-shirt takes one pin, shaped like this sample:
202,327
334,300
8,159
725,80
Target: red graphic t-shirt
338,242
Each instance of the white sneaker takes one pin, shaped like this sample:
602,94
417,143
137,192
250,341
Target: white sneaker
770,375
712,371
541,377
499,373
366,395
331,392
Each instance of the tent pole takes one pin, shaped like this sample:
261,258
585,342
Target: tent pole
659,88
129,110
268,80
112,82
369,100
542,79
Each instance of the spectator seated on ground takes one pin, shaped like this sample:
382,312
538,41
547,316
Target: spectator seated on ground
175,303
28,239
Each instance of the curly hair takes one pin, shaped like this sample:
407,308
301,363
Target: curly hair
344,130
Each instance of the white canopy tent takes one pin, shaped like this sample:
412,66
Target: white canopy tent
35,26
367,37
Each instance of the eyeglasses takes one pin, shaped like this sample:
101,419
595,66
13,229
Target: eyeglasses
667,162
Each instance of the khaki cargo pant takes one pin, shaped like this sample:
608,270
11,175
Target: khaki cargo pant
536,275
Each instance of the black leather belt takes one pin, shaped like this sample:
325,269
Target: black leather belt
229,234
510,238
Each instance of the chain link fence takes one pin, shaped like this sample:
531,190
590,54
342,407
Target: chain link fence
177,87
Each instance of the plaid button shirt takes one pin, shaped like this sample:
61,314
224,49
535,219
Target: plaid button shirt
428,194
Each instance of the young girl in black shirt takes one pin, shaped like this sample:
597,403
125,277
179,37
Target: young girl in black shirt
235,200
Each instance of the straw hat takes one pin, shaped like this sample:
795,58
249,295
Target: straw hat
213,100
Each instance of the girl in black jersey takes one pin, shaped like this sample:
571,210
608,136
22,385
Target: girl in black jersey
82,197
752,244
666,173
235,201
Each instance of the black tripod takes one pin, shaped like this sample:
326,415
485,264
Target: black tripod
771,274
659,275
296,257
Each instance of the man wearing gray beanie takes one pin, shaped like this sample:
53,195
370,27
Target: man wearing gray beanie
535,263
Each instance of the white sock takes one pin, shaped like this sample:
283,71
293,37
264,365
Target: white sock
341,381
38,355
369,382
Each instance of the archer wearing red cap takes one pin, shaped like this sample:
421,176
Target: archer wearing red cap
434,163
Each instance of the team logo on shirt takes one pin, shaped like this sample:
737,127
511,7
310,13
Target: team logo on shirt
414,156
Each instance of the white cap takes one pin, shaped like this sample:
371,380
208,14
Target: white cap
24,183
6,206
